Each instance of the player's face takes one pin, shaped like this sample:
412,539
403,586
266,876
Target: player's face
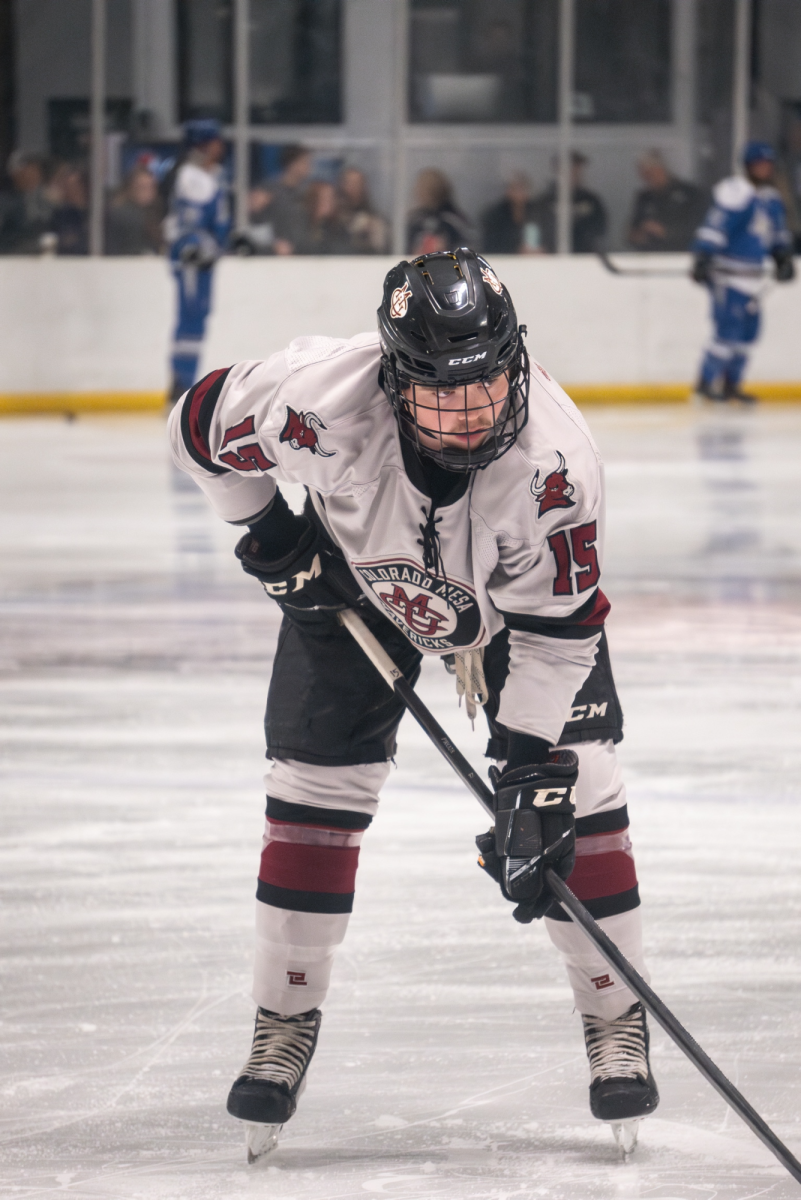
458,417
761,171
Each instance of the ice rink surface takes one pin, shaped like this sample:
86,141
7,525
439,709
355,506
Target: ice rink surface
134,663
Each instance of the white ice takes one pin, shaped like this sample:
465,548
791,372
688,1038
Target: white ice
134,665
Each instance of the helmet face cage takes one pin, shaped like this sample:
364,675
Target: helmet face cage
484,415
454,366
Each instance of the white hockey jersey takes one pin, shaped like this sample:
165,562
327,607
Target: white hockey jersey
522,545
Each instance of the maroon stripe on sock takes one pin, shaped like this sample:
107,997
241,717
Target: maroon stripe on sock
599,875
310,868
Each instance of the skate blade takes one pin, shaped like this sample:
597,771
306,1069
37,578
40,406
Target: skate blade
260,1140
625,1134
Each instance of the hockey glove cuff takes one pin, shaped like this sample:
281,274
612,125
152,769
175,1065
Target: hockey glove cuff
310,583
534,829
701,271
785,267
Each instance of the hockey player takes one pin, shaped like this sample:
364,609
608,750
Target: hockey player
455,499
746,222
197,229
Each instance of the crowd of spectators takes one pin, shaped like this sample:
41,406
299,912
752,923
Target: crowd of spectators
304,211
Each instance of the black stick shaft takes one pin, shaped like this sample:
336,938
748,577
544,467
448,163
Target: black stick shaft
473,782
571,904
673,1028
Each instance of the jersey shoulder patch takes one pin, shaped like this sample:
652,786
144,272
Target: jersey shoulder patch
734,193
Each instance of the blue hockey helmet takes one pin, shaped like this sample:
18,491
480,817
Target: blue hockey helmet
758,152
201,131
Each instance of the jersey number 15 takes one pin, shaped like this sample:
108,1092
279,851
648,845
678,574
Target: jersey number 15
575,554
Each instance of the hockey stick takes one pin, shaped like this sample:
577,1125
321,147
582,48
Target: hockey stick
644,273
570,903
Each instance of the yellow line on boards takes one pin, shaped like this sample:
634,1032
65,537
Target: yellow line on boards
670,393
31,403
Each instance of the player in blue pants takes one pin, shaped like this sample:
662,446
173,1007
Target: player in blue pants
746,223
197,230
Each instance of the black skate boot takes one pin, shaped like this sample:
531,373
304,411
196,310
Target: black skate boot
622,1088
733,391
266,1092
708,393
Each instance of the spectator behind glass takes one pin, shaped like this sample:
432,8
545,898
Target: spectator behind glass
788,173
512,226
134,218
325,232
588,212
25,213
667,210
288,213
71,216
367,231
436,223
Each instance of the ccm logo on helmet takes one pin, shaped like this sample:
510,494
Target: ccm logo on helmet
454,362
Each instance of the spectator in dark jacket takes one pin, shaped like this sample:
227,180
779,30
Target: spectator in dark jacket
436,223
588,212
288,212
667,210
513,225
325,232
367,230
71,216
134,218
25,213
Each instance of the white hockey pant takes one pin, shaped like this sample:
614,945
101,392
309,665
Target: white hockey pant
295,947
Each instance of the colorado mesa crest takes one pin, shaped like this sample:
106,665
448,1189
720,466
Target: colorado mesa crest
434,615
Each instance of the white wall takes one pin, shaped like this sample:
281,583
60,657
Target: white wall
93,325
585,325
84,325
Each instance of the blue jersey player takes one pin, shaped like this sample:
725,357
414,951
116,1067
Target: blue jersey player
745,224
197,230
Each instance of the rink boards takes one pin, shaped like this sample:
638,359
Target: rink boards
93,335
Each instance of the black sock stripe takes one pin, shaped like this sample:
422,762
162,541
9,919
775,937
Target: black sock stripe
299,901
604,906
603,822
310,814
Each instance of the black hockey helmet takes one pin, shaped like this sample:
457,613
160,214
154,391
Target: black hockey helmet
446,322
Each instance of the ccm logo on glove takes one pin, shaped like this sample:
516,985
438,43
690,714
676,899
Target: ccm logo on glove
300,580
552,796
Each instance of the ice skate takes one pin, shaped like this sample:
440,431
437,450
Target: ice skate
733,392
708,394
622,1088
265,1095
625,1134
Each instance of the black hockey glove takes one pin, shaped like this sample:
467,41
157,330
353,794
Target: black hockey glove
702,269
534,829
310,583
785,267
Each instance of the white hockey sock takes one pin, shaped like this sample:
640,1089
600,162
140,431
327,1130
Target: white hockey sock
294,956
597,989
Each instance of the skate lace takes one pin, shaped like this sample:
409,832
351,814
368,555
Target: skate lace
617,1049
282,1046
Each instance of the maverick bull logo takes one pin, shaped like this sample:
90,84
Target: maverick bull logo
553,491
301,431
